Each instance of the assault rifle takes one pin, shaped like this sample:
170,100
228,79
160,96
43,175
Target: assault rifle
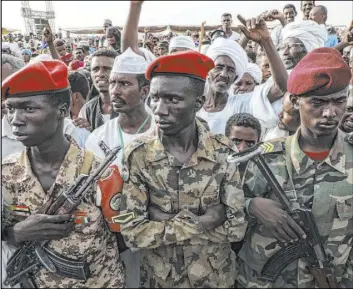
33,256
311,248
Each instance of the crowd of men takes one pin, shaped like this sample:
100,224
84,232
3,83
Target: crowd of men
177,208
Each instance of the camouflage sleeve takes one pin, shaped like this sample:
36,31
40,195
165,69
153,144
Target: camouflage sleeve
140,232
347,278
232,197
254,184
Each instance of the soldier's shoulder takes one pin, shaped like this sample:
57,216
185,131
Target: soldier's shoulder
275,146
220,140
138,144
11,159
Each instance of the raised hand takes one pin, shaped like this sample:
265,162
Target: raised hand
48,34
254,29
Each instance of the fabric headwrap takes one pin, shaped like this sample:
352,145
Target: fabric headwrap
309,32
222,46
255,71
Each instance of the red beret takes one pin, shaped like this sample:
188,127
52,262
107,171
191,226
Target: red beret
187,63
320,72
37,77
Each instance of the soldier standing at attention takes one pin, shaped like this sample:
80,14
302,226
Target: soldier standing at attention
315,169
183,199
37,99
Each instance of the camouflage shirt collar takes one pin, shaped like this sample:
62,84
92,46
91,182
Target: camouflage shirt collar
205,149
71,163
335,159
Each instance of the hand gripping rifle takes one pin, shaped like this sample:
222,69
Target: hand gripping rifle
311,248
32,256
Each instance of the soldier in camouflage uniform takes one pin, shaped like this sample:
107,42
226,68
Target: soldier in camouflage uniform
50,165
183,199
315,168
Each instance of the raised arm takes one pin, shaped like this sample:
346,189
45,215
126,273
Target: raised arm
130,30
49,39
256,30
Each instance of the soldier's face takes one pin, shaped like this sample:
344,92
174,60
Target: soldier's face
321,115
347,120
33,119
174,102
125,92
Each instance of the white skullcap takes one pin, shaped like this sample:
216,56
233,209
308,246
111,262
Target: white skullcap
130,62
222,46
181,41
309,32
149,56
255,71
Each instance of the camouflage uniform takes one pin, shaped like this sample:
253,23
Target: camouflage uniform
326,188
178,252
92,242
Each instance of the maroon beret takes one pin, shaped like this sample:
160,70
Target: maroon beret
321,72
189,63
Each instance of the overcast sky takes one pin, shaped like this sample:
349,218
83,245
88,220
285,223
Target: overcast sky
72,14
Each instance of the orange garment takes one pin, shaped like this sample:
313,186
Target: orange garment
318,156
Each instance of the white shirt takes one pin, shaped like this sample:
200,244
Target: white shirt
235,36
217,120
109,134
273,133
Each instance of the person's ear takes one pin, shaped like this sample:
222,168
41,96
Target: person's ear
63,110
145,91
200,100
294,99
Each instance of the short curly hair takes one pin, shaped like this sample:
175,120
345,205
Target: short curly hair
105,52
245,120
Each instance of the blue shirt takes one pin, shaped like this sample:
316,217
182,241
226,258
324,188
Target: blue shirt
331,41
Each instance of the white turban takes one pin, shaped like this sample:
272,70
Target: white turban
222,46
130,62
309,32
181,41
255,71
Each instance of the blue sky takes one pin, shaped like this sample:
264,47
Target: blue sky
92,13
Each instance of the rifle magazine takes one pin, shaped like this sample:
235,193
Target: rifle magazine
69,268
281,259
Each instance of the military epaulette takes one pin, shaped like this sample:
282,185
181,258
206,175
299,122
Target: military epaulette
276,145
226,141
349,138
